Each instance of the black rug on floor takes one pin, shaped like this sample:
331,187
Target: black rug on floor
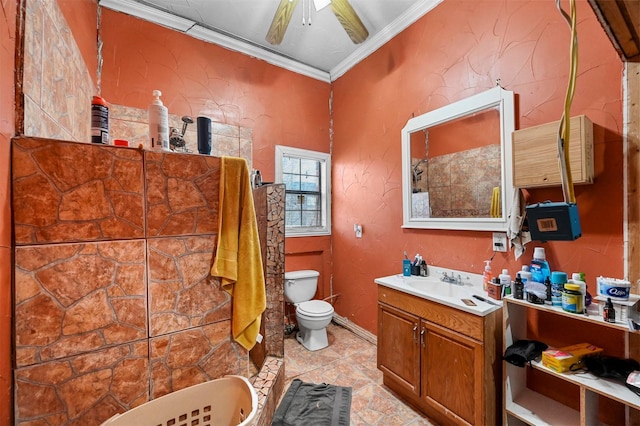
309,404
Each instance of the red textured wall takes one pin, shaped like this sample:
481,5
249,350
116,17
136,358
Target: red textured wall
7,129
459,49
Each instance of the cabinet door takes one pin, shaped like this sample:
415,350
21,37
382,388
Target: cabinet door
452,379
398,349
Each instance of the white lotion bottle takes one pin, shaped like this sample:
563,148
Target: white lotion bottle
158,123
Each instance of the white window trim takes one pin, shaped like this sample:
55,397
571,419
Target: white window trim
325,164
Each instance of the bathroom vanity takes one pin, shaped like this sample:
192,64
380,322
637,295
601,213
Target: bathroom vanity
438,353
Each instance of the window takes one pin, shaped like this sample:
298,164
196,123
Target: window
307,178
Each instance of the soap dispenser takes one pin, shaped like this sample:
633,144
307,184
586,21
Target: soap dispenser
487,275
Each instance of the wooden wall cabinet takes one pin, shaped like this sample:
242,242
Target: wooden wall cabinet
440,359
524,405
535,154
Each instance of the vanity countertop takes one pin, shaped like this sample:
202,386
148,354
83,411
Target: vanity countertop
453,295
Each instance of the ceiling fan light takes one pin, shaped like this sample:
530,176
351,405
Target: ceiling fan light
320,4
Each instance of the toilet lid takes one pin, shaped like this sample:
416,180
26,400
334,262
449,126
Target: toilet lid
315,308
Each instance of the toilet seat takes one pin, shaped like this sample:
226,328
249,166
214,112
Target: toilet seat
315,308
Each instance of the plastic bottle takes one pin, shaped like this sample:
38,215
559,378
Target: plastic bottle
158,123
99,120
518,288
539,266
505,278
558,280
547,285
525,274
486,275
572,298
576,278
609,312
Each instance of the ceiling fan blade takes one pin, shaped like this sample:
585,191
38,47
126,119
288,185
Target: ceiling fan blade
280,21
349,20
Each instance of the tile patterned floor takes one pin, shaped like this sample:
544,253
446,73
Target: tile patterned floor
350,361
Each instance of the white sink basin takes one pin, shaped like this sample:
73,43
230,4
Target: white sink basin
449,294
439,288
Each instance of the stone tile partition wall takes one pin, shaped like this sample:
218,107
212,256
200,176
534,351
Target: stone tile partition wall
107,316
461,184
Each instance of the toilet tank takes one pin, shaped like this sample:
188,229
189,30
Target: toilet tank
300,286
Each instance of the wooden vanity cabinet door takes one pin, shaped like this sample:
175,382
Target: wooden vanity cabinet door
398,349
452,381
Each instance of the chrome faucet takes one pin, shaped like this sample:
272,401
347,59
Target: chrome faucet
451,279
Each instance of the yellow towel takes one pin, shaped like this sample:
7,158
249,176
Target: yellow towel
495,210
243,277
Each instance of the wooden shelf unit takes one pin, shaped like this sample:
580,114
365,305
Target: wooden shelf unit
523,405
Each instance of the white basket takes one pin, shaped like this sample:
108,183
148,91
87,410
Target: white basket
230,400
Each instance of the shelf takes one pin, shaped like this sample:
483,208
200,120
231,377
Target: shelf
557,310
523,405
536,409
609,388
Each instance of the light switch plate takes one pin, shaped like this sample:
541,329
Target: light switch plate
500,241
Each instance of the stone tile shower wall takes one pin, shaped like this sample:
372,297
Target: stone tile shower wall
132,124
113,301
57,85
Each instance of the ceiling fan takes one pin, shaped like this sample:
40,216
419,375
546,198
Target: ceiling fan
343,10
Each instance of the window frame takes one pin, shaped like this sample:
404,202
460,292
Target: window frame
325,188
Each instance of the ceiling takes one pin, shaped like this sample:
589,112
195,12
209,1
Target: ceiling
319,47
621,21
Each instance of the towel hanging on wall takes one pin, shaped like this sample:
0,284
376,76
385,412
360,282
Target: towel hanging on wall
517,236
242,278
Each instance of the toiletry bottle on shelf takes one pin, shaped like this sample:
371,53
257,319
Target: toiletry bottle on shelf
547,284
539,266
525,275
486,275
518,288
577,278
158,123
558,280
609,312
99,120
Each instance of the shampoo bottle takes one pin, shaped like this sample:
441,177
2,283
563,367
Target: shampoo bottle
539,266
487,275
158,123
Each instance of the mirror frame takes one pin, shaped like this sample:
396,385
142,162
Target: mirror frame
495,97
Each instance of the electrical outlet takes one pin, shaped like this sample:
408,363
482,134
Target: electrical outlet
499,241
358,230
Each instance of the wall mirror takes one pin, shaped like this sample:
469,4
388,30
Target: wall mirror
456,164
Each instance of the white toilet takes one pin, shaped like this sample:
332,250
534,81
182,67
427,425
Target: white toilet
313,315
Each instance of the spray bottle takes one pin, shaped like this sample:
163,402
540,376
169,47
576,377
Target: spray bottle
158,123
486,275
